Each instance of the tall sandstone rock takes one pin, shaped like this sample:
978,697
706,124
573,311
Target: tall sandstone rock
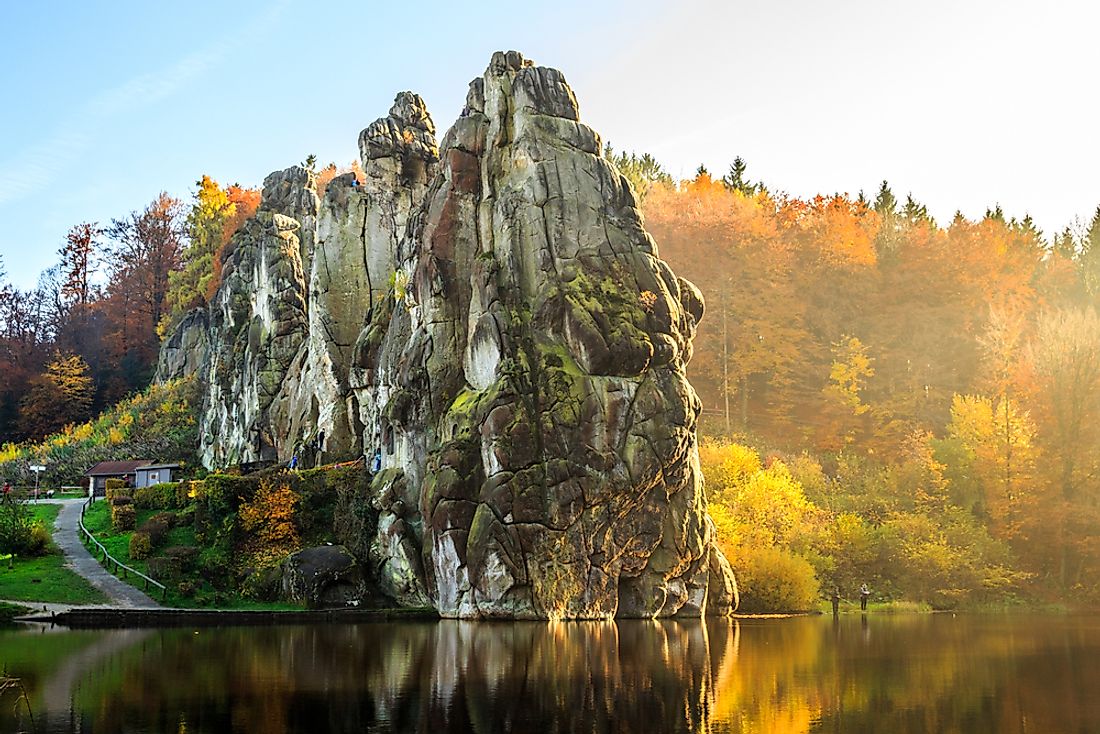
490,318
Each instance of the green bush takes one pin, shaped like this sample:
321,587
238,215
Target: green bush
163,569
215,565
38,544
20,534
263,583
185,555
15,526
165,496
157,527
140,546
120,499
772,579
123,517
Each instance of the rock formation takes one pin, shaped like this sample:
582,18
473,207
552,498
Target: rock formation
492,321
185,351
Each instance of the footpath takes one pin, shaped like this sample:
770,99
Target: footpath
67,537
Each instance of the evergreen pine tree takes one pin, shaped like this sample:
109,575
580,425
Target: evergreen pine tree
735,180
1089,257
886,204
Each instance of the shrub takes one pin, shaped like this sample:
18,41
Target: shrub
774,580
123,517
264,582
186,588
38,543
15,527
156,527
163,569
168,495
114,484
121,499
140,546
215,565
168,518
269,518
185,555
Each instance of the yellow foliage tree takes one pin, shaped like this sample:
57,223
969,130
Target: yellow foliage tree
1000,439
269,518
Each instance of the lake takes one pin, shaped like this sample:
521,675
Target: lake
904,673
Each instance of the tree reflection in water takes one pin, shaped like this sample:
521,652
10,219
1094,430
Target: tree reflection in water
903,674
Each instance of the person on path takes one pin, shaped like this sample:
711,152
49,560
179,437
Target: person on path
836,600
864,595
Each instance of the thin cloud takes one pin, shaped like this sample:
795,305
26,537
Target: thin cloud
38,166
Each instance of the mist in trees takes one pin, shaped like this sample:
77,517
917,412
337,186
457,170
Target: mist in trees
858,333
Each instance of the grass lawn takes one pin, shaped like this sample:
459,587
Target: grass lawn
45,578
98,521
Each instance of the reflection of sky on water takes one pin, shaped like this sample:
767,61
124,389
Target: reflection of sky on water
900,674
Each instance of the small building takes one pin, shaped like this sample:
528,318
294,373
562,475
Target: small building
151,474
104,470
136,473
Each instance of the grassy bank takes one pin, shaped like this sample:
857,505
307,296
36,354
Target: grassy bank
46,578
8,612
199,593
881,607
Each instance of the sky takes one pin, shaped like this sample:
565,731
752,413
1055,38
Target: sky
965,104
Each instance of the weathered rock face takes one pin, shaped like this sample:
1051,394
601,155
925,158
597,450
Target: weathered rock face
304,276
321,577
490,318
525,383
258,325
184,352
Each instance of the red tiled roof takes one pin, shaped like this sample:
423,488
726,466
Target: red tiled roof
114,468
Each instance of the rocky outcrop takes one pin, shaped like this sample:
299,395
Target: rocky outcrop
525,385
185,351
490,319
326,576
305,275
258,325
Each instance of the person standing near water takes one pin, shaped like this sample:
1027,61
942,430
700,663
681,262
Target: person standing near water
836,600
864,595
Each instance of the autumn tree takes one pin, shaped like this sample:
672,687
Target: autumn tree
1065,355
1089,257
59,396
245,202
77,269
205,223
999,438
844,394
147,249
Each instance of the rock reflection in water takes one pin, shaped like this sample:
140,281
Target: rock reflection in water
438,677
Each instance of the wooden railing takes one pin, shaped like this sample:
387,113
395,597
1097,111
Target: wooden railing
108,559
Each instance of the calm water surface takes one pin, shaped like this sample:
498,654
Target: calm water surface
921,673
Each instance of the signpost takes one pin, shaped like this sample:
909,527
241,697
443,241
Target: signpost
37,469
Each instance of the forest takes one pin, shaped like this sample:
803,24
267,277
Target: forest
887,399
